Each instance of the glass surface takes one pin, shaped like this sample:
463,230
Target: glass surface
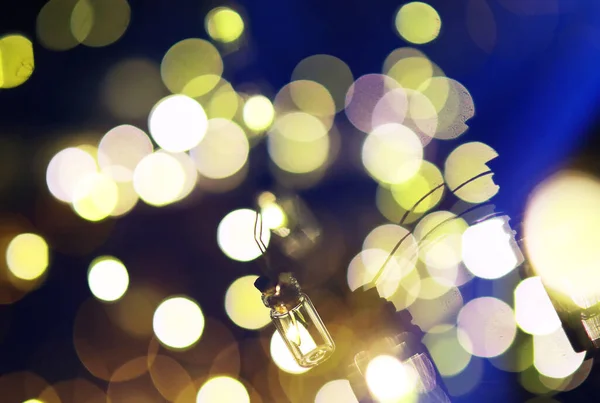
304,333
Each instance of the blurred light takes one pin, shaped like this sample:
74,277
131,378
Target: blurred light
364,266
465,162
378,244
121,149
449,356
561,235
422,117
534,311
273,215
299,126
553,355
235,235
336,391
392,153
390,380
362,98
486,327
412,71
408,193
159,179
190,173
385,238
33,401
192,63
132,87
66,169
224,25
223,389
178,322
127,199
306,96
95,197
223,151
572,381
398,54
98,23
177,123
224,102
442,92
244,305
27,256
53,25
108,278
298,143
489,248
453,104
391,108
418,22
329,71
282,357
16,60
440,237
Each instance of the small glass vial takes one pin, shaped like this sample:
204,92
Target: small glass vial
296,320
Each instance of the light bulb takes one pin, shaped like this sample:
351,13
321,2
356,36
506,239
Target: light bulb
297,320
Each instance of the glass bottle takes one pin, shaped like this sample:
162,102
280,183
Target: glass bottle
296,320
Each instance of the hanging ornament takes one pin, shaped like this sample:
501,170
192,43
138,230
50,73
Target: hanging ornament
296,320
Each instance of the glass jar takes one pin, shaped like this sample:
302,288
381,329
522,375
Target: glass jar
297,321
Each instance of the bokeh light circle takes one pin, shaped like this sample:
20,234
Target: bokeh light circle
465,162
449,356
177,123
108,278
158,179
561,235
16,60
338,390
121,149
363,96
486,327
192,67
27,256
489,248
224,24
418,22
95,197
66,169
392,153
223,389
534,311
553,355
258,113
223,151
178,322
389,379
244,306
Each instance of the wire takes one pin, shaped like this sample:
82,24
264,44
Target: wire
406,214
266,264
